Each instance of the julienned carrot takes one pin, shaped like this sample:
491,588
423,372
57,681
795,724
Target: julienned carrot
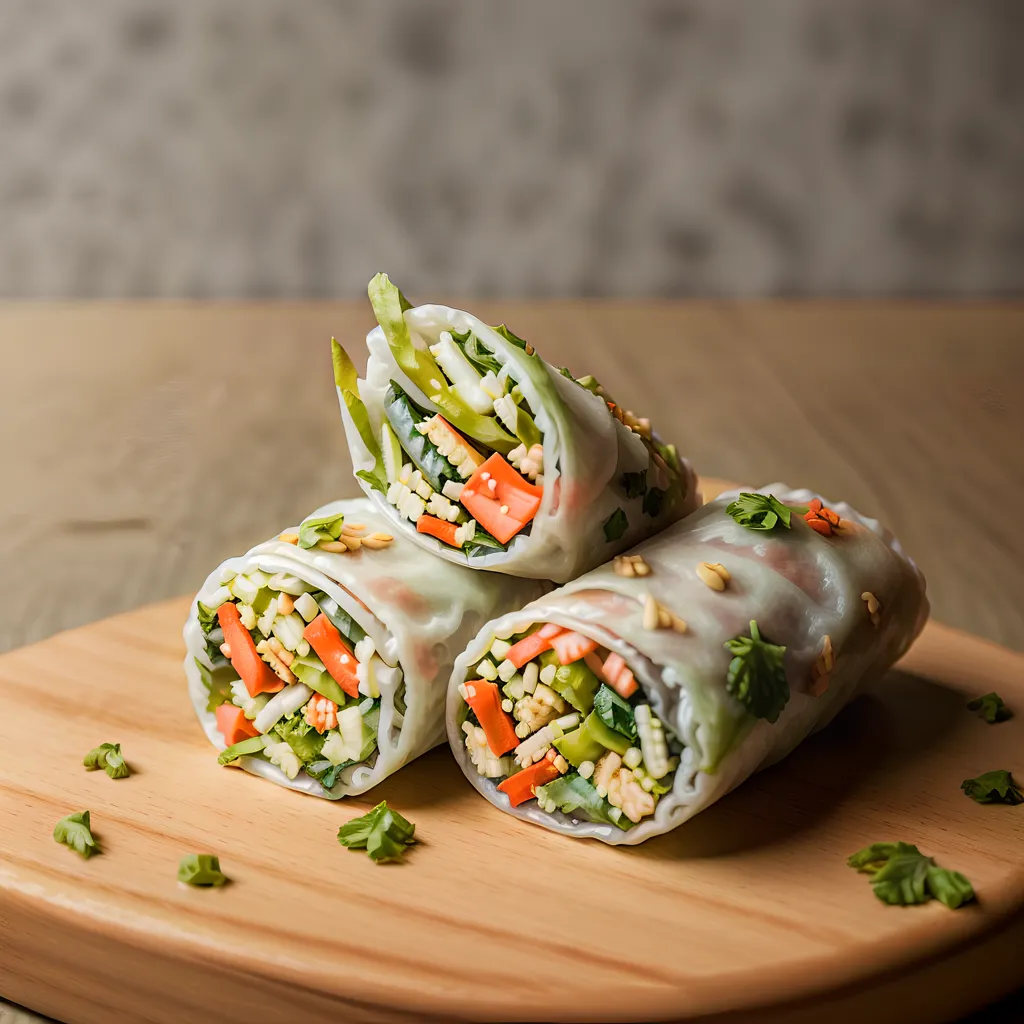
438,528
593,661
257,675
233,725
523,785
571,646
500,498
620,678
485,700
530,646
332,650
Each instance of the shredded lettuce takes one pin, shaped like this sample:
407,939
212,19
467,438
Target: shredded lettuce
318,528
574,793
304,740
207,617
513,339
475,352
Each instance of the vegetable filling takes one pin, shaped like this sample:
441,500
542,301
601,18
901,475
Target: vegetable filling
556,717
295,679
471,474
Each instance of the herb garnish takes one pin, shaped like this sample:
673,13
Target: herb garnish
996,787
383,833
991,708
759,511
318,528
756,675
615,525
903,876
616,713
201,869
653,501
634,484
107,756
75,832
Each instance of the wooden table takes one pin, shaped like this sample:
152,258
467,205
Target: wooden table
143,443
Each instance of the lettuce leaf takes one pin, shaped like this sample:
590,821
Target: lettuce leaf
574,793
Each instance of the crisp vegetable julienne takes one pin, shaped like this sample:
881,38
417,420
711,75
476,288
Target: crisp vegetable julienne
556,717
294,678
472,474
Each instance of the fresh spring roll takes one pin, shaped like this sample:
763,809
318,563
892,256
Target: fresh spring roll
625,702
319,660
481,452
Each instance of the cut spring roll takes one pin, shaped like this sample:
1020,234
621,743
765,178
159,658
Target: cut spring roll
481,452
622,704
319,660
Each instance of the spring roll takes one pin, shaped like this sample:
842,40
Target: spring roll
620,705
481,452
320,659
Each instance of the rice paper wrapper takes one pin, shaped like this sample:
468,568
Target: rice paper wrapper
797,585
420,613
586,453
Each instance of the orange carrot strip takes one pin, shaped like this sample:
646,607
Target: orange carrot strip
485,700
571,646
527,649
523,785
511,491
233,725
438,528
332,650
257,675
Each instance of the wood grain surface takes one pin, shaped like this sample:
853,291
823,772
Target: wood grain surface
747,910
141,443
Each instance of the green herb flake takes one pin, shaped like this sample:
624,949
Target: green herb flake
320,528
107,756
653,501
991,708
383,833
615,525
75,832
634,484
996,787
616,713
759,511
756,676
903,876
201,869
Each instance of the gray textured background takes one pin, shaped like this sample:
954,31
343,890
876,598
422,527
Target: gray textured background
277,148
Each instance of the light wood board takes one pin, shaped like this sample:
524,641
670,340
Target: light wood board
748,908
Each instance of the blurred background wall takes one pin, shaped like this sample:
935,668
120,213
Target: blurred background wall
265,148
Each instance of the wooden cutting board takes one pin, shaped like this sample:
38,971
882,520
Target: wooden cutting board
747,910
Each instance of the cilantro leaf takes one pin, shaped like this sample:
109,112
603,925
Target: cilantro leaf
201,869
616,713
996,787
759,511
756,676
318,528
903,876
634,484
375,480
991,708
75,832
383,833
615,525
107,756
653,500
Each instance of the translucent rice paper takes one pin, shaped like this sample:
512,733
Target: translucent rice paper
798,585
589,446
419,611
